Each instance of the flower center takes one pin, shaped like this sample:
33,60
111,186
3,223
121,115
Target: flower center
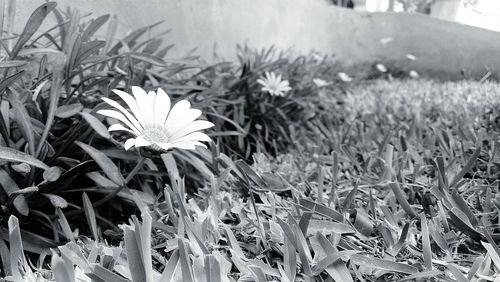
274,85
155,134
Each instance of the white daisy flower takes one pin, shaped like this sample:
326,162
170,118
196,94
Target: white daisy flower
274,85
381,68
386,40
320,82
154,124
344,77
413,74
411,57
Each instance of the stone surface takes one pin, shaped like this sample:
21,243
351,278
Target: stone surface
443,48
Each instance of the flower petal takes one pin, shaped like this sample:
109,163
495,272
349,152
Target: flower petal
262,82
119,116
129,143
119,127
141,142
131,118
195,136
131,103
184,145
145,103
188,145
162,106
192,127
176,115
183,121
165,146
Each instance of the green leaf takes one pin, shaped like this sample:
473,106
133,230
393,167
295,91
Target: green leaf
4,83
5,257
23,119
109,168
349,199
96,124
362,223
401,197
138,247
10,187
332,263
22,168
63,222
90,215
170,267
88,49
32,242
426,243
70,110
258,273
63,270
304,252
34,22
18,156
12,63
463,207
467,167
457,274
326,227
171,166
369,261
422,275
52,174
56,201
187,271
147,58
55,88
16,248
321,209
94,26
290,259
104,274
462,225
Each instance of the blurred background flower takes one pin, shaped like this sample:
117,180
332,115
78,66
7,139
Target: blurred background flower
273,84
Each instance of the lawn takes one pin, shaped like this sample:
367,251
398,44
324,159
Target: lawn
118,164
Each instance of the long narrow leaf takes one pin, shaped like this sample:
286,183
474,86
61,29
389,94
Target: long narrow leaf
33,24
109,168
18,156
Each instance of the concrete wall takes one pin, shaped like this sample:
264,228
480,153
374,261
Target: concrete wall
443,48
205,23
446,9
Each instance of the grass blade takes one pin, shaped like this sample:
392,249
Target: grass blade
90,215
383,264
10,186
426,243
467,167
401,198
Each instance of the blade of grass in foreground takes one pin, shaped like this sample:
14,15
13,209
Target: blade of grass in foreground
388,265
426,242
401,197
467,167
